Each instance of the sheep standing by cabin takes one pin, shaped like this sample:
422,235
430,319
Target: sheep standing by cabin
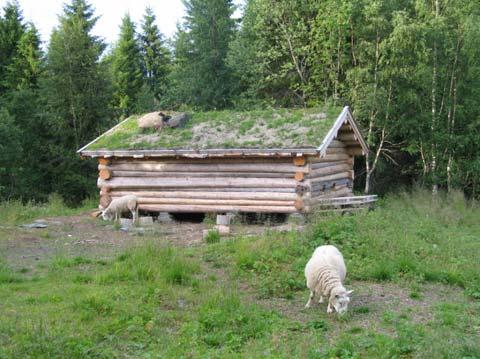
119,206
325,273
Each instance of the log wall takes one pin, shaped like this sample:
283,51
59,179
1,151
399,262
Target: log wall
274,185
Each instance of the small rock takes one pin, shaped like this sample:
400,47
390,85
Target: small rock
223,220
145,221
126,223
222,230
164,217
34,225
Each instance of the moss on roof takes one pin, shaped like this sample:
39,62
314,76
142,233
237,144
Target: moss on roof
272,128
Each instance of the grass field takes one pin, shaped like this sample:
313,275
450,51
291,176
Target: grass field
413,264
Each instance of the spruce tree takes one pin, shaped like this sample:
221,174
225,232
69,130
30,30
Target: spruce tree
12,29
75,95
205,80
127,73
25,66
155,56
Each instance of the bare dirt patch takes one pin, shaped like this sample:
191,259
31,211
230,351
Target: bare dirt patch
86,236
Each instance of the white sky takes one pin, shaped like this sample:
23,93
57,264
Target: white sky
44,14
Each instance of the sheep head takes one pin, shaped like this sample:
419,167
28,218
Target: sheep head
339,299
107,215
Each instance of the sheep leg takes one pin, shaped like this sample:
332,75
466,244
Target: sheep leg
310,299
134,216
329,308
321,299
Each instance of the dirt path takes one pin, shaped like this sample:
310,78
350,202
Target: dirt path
84,235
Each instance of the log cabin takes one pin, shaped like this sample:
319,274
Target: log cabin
270,161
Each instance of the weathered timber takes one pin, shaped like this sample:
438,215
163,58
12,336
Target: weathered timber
204,174
336,143
203,161
355,151
317,165
350,136
299,176
354,200
200,201
105,200
210,195
299,161
105,174
199,167
344,191
339,175
327,185
334,150
330,157
103,161
215,209
299,204
321,172
185,182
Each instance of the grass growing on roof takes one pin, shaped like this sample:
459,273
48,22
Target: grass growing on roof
271,128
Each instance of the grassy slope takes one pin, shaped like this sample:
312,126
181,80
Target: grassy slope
223,299
16,212
229,129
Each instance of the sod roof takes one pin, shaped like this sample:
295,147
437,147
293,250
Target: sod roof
223,130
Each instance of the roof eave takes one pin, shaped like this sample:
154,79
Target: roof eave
273,152
345,116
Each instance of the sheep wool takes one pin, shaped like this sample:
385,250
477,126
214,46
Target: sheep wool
120,205
325,273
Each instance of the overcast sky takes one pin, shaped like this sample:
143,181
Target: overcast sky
44,14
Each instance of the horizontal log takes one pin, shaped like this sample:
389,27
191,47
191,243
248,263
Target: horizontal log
327,185
321,172
299,176
105,174
355,151
319,192
339,175
350,136
334,150
344,191
317,165
331,157
336,143
103,161
200,201
204,161
210,195
191,182
205,167
299,161
203,174
215,208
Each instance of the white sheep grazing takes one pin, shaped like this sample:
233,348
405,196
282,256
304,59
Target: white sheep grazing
120,205
325,273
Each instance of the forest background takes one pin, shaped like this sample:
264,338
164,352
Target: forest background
409,69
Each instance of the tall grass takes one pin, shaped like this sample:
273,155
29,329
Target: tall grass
16,212
408,236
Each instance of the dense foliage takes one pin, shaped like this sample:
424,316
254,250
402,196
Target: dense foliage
410,70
